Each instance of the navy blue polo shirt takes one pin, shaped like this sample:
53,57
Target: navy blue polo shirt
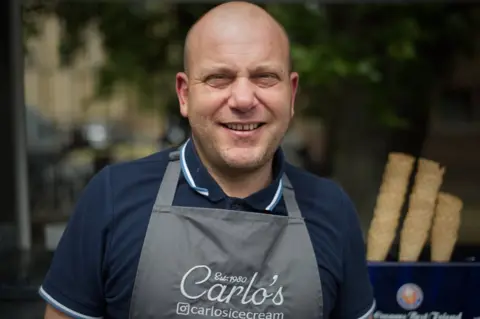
94,267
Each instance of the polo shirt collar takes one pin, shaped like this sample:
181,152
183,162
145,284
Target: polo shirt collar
200,180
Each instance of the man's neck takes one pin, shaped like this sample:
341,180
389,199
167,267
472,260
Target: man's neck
245,183
238,183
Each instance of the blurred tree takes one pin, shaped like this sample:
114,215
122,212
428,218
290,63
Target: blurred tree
393,54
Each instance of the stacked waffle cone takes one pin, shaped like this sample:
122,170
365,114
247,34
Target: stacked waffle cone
445,226
388,206
421,209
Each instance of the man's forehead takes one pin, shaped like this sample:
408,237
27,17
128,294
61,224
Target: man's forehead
232,32
240,49
245,31
209,66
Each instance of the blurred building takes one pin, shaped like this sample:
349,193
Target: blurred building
71,135
64,94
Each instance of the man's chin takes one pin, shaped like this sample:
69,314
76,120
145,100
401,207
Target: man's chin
245,158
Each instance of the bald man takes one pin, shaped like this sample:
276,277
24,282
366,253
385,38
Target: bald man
222,227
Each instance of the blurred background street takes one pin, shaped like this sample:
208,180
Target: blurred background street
99,89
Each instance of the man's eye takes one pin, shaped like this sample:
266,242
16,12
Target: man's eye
217,79
266,79
216,76
266,76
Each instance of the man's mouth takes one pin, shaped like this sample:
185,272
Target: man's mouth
242,127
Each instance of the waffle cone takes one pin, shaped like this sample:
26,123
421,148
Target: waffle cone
445,227
388,206
421,209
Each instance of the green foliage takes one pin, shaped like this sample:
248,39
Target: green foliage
385,51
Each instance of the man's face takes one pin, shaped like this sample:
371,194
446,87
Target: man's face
239,94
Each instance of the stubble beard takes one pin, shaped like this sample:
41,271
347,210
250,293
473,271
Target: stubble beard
220,159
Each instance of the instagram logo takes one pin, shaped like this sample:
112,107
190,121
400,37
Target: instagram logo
183,308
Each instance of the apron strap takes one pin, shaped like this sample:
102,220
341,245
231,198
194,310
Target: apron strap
174,156
168,187
289,198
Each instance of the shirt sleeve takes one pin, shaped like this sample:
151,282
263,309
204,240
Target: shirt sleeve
355,299
73,284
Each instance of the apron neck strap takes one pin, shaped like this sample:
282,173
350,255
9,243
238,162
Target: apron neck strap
174,156
289,198
168,187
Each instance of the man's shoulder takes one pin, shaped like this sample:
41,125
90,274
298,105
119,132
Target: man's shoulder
157,158
127,182
321,199
153,165
121,183
308,186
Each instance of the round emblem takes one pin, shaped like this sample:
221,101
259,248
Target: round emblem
409,296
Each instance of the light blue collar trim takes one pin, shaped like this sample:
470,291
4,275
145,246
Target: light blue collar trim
186,172
276,197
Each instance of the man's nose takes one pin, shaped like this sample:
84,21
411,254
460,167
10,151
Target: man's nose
243,95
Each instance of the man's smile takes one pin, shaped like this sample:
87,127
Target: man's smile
242,126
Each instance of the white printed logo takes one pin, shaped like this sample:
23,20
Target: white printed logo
220,291
183,308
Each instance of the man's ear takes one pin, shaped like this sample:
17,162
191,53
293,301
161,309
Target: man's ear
294,79
182,92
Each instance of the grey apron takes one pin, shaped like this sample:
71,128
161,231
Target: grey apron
216,263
